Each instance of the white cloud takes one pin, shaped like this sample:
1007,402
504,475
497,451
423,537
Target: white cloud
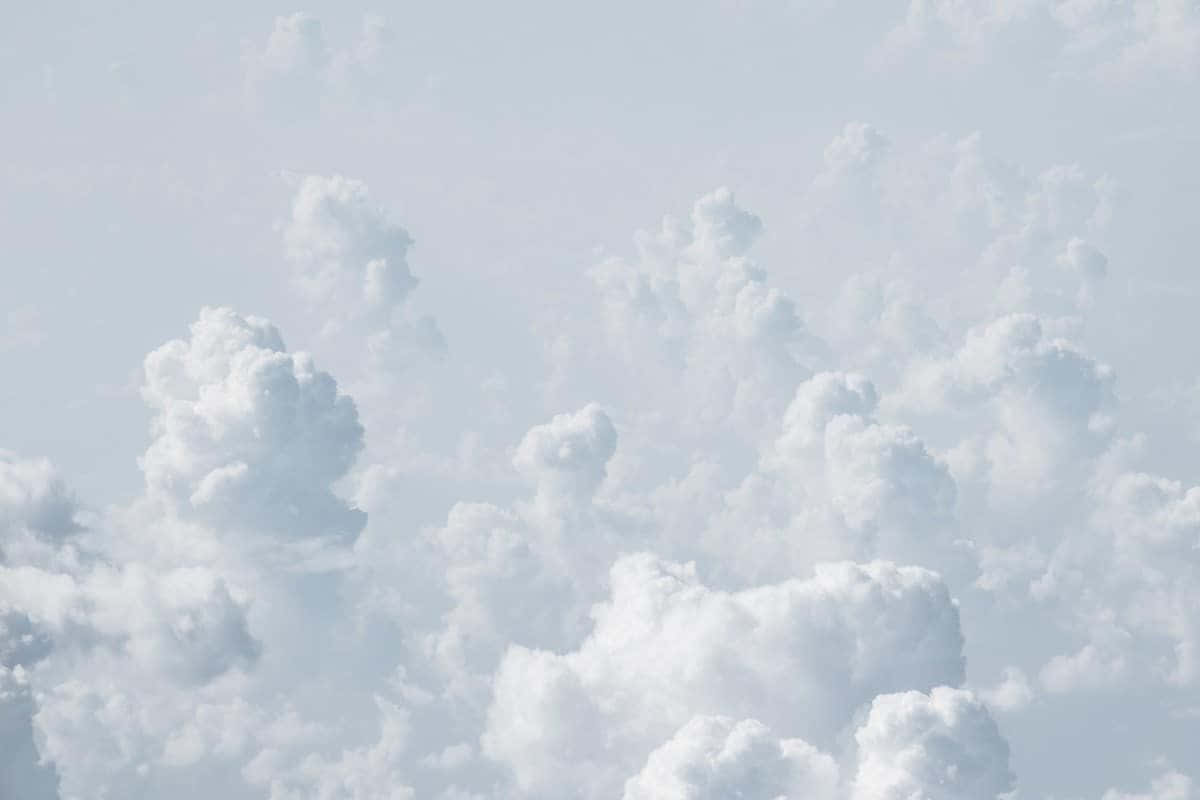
284,76
33,498
1124,40
296,73
715,757
666,648
247,435
566,458
1012,693
694,302
344,248
943,744
1170,785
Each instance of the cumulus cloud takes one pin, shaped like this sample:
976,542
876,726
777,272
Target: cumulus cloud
349,262
716,757
344,247
566,458
694,302
666,648
1012,693
943,744
295,72
33,499
247,435
763,563
1104,40
528,574
1047,403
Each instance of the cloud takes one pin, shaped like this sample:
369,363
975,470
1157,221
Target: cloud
349,262
666,648
344,247
1103,40
528,574
943,744
1044,403
284,77
566,458
716,757
246,435
295,73
1171,785
1013,693
33,499
693,302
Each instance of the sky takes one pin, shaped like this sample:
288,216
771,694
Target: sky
761,399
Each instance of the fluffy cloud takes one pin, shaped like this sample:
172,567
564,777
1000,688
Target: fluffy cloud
528,574
247,435
835,482
715,757
939,231
695,302
665,648
350,263
343,246
566,457
929,440
33,498
940,745
1137,618
295,72
1047,403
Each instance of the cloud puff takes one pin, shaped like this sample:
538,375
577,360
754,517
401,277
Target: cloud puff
666,648
292,75
1127,587
693,301
247,435
1047,404
528,574
711,758
566,458
836,482
33,498
284,76
942,746
1108,40
935,233
344,247
1171,785
350,262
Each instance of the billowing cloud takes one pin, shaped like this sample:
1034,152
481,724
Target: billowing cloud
666,648
716,757
343,246
939,745
247,435
693,301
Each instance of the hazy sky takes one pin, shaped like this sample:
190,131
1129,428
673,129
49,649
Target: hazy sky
644,400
